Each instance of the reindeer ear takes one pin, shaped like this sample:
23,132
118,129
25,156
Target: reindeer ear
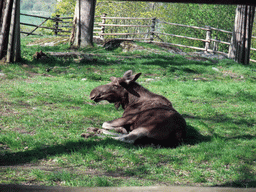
112,78
128,77
136,76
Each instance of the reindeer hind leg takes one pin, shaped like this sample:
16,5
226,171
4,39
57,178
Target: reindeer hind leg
133,135
109,133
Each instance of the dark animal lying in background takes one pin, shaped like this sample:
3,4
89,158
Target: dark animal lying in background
147,116
112,44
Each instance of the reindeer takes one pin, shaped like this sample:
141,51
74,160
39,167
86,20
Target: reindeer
146,114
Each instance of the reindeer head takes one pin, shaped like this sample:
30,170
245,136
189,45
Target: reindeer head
117,90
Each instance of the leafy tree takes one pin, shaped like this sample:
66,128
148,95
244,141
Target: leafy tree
65,7
36,5
217,16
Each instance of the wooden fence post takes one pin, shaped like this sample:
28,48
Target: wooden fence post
215,46
103,27
153,24
56,24
208,39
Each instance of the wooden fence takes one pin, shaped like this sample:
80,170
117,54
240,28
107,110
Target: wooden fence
56,28
100,28
152,34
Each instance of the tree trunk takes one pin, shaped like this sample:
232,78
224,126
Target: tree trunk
1,7
10,30
5,18
82,34
239,49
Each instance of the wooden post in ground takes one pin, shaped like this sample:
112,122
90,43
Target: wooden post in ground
84,17
103,27
153,27
56,25
10,31
208,39
215,47
239,49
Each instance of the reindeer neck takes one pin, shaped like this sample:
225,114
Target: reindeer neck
137,92
143,95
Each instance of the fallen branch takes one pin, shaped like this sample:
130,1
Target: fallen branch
71,54
78,57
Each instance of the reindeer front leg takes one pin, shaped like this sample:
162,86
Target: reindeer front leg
120,122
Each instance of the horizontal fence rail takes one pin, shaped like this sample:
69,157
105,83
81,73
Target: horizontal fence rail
56,28
107,27
181,25
127,18
116,25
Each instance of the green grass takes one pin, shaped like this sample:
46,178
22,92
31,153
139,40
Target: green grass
43,114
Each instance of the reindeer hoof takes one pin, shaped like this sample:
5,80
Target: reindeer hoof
99,131
106,125
121,130
86,135
92,130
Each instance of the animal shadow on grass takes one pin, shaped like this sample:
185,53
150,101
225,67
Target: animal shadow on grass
33,155
193,136
44,152
243,183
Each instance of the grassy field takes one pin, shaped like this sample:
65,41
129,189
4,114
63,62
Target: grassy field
45,107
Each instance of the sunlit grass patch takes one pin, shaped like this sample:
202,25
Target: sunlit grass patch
44,112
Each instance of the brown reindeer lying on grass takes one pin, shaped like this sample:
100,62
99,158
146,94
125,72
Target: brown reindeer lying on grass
146,115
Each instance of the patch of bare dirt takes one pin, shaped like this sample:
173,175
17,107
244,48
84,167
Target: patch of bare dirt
232,75
53,41
7,112
129,46
23,131
170,48
197,58
3,147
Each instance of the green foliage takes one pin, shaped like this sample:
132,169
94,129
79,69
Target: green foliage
35,5
65,7
201,15
125,9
